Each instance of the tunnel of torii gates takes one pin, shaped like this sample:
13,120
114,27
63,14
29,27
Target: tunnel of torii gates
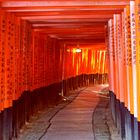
50,47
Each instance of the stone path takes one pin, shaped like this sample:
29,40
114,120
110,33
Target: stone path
84,116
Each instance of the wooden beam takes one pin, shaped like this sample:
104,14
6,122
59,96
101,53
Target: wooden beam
34,21
27,3
63,8
84,41
65,17
77,12
86,37
75,30
70,25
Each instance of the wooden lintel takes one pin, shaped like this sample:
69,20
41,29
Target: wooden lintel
27,3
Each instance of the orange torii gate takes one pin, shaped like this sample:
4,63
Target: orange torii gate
38,51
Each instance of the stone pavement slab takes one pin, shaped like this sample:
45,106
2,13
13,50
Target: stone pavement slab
84,116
